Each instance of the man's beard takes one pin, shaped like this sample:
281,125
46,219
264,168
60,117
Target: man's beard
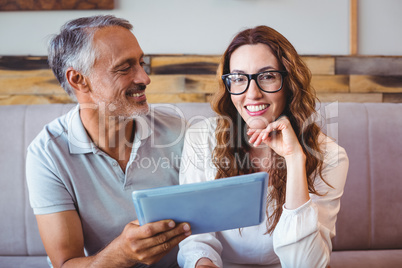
124,110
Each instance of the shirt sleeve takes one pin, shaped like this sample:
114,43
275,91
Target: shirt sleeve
47,192
196,166
302,237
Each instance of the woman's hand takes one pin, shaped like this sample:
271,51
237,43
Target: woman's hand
279,136
205,263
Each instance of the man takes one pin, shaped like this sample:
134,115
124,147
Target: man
83,167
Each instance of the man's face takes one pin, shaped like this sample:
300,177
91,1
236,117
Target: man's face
117,79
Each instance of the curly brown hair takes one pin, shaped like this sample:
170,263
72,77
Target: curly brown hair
300,109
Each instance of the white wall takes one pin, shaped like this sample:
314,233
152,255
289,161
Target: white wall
380,31
207,26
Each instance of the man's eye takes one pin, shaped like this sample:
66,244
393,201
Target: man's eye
142,63
125,69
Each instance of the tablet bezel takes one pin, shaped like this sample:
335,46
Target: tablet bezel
249,211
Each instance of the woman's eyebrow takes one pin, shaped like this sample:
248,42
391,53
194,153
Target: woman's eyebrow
237,71
263,69
266,68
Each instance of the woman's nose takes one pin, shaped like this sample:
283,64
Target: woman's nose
254,91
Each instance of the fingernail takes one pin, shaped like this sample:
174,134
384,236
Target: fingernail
186,227
171,224
187,233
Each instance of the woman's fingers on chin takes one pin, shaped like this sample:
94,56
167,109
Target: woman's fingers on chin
250,131
265,136
255,136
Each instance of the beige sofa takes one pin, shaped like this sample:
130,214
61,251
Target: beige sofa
369,226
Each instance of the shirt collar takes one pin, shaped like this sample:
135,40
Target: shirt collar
78,140
143,127
80,143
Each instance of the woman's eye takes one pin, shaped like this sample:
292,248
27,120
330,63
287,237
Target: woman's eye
237,79
267,76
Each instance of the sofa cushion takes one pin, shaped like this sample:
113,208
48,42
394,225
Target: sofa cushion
366,258
23,261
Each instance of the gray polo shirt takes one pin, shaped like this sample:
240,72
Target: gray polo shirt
67,171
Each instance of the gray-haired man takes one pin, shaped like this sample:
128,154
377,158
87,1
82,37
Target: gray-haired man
82,168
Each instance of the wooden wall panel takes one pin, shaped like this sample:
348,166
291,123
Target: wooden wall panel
21,63
350,97
162,84
184,64
392,97
331,83
29,82
192,78
17,5
320,64
353,31
371,83
176,98
34,99
188,64
182,83
384,66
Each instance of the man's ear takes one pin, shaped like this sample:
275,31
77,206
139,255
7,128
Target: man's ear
77,80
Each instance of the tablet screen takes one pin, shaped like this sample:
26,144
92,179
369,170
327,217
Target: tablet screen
211,206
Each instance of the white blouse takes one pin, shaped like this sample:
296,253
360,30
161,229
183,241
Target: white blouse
302,237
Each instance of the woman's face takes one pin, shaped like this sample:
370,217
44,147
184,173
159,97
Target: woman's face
257,108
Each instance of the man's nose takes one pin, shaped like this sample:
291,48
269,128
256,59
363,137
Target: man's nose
141,77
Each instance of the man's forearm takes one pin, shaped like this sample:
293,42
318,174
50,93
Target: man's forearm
110,256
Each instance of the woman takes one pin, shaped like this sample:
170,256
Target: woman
266,110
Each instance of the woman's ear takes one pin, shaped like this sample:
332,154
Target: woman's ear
77,80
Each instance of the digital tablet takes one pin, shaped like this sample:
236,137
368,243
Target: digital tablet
210,206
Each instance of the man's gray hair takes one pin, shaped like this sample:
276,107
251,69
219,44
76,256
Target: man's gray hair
73,47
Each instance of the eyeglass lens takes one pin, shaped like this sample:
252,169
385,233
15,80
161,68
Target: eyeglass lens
267,81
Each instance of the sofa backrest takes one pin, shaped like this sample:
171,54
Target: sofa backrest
371,207
370,215
19,125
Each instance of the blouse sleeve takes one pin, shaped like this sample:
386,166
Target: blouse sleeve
196,166
302,237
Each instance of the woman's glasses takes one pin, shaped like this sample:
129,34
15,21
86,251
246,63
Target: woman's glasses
268,81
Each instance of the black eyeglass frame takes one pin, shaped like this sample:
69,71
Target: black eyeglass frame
254,77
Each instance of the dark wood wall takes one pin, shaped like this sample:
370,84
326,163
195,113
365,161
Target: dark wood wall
189,78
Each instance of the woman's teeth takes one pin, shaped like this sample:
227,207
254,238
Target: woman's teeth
136,95
256,108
